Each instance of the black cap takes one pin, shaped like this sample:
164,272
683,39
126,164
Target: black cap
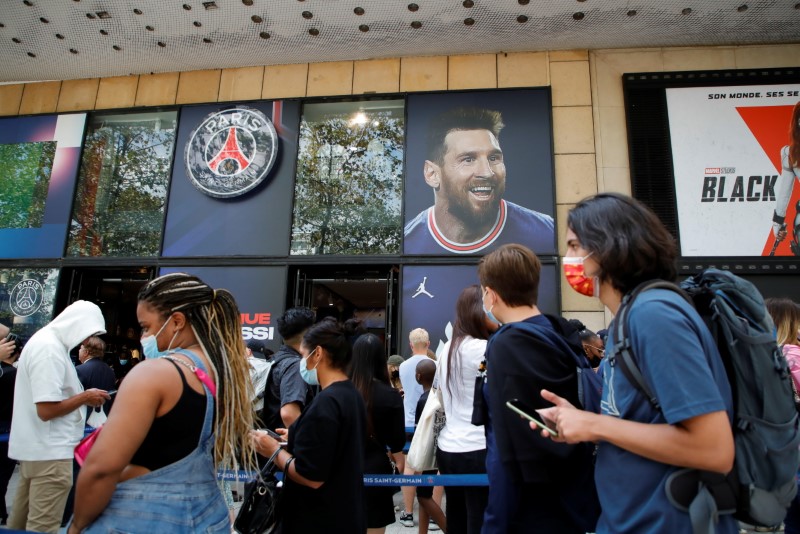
257,345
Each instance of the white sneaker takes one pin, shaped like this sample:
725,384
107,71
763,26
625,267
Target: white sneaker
432,525
406,519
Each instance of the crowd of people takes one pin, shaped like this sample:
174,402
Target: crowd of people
340,408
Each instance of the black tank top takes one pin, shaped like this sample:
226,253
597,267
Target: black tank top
175,434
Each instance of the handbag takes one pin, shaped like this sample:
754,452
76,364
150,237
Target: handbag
85,445
259,513
479,409
422,453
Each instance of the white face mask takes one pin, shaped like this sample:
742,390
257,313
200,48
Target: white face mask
150,343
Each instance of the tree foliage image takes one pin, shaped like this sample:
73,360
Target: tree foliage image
122,190
26,179
348,186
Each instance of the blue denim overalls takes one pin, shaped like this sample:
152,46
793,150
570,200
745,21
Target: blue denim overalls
181,497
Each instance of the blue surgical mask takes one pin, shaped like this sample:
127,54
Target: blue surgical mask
123,362
309,376
150,343
488,312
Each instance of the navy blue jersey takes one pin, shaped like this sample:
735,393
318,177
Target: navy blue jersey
515,224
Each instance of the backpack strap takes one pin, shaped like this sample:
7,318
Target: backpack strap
557,342
623,348
551,337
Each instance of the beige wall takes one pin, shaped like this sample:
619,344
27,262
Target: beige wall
589,135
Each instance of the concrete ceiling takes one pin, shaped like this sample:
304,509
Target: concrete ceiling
70,39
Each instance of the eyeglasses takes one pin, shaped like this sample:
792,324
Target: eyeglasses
598,351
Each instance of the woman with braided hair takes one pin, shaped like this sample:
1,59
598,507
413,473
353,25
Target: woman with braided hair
178,416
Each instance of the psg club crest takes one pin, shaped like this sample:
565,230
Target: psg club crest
26,298
231,152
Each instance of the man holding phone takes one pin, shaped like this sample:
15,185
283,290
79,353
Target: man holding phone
48,417
615,243
531,478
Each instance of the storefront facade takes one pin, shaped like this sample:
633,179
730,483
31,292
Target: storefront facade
130,177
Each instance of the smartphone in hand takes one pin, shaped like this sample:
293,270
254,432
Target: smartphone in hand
530,415
273,435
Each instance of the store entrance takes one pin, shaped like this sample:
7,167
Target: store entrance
114,290
366,293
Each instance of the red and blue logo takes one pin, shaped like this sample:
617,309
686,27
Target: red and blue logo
231,152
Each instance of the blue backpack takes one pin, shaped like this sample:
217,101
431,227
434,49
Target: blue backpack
762,484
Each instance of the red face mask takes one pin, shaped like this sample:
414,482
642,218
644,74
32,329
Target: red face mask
577,279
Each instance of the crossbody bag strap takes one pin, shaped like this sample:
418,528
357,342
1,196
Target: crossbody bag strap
197,368
623,347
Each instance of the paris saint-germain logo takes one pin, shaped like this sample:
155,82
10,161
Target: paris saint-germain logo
26,297
231,152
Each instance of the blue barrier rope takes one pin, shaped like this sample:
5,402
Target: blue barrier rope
369,480
384,480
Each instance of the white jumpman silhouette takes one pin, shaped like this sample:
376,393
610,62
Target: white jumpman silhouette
421,289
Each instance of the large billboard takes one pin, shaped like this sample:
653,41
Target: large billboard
479,172
735,152
39,157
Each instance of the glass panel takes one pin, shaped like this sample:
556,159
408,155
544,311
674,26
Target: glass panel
122,186
27,297
27,166
349,179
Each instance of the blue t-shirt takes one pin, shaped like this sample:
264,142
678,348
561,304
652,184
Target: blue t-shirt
514,224
680,362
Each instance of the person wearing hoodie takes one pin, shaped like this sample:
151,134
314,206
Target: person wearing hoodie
48,420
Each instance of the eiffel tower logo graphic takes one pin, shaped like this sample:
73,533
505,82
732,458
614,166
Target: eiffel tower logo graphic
230,152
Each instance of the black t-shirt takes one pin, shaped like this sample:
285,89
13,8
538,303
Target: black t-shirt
7,381
388,421
284,385
327,441
421,406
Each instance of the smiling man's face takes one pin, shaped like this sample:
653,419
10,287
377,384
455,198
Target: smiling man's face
473,176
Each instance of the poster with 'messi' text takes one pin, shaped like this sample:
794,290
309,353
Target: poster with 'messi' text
735,156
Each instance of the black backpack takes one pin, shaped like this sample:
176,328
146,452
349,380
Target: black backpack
762,484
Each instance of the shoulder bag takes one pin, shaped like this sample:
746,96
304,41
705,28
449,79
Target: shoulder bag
259,513
422,453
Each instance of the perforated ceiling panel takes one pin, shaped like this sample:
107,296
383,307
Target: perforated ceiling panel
67,39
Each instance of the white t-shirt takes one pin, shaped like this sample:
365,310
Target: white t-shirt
45,376
259,372
459,434
412,391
